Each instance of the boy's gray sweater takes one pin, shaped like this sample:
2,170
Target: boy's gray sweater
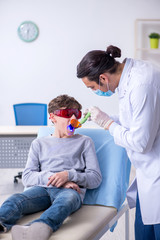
49,155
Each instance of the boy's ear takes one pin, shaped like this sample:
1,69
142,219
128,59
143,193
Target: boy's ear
51,116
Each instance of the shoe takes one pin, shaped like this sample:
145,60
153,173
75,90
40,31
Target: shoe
39,231
36,231
2,228
19,232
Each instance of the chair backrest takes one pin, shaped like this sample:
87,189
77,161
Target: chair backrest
114,165
30,114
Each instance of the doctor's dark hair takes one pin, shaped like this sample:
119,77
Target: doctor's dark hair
97,62
63,101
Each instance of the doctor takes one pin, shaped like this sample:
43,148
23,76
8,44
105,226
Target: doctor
137,128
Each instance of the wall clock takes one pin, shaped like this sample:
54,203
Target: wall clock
28,31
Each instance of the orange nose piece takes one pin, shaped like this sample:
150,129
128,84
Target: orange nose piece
75,123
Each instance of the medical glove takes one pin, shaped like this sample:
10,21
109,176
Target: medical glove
100,118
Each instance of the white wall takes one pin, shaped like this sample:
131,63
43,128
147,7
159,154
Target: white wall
41,70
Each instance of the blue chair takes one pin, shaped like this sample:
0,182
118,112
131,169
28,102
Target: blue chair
30,114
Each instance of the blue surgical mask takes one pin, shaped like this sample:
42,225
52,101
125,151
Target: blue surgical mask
105,94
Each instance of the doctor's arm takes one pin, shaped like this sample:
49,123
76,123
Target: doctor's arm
144,101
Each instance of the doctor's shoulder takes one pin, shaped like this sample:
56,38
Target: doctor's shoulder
144,72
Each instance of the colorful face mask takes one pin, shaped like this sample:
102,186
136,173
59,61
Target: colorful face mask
105,94
101,93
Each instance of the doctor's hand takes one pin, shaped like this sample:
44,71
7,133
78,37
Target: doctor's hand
99,117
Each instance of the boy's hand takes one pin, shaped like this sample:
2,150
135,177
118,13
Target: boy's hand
72,185
58,179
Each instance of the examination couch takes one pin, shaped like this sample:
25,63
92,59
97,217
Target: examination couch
102,206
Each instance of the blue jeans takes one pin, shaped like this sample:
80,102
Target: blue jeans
145,232
58,204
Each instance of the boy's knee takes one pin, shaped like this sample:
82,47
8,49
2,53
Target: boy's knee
15,200
73,197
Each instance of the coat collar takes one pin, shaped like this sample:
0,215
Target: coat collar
124,80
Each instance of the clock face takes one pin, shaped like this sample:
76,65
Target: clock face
28,31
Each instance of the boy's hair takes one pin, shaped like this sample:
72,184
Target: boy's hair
63,101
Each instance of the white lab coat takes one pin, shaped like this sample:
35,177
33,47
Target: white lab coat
139,132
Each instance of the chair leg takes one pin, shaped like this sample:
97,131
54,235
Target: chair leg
127,225
17,176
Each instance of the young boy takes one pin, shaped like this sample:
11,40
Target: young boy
59,169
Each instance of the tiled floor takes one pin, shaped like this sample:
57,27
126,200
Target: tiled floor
8,187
